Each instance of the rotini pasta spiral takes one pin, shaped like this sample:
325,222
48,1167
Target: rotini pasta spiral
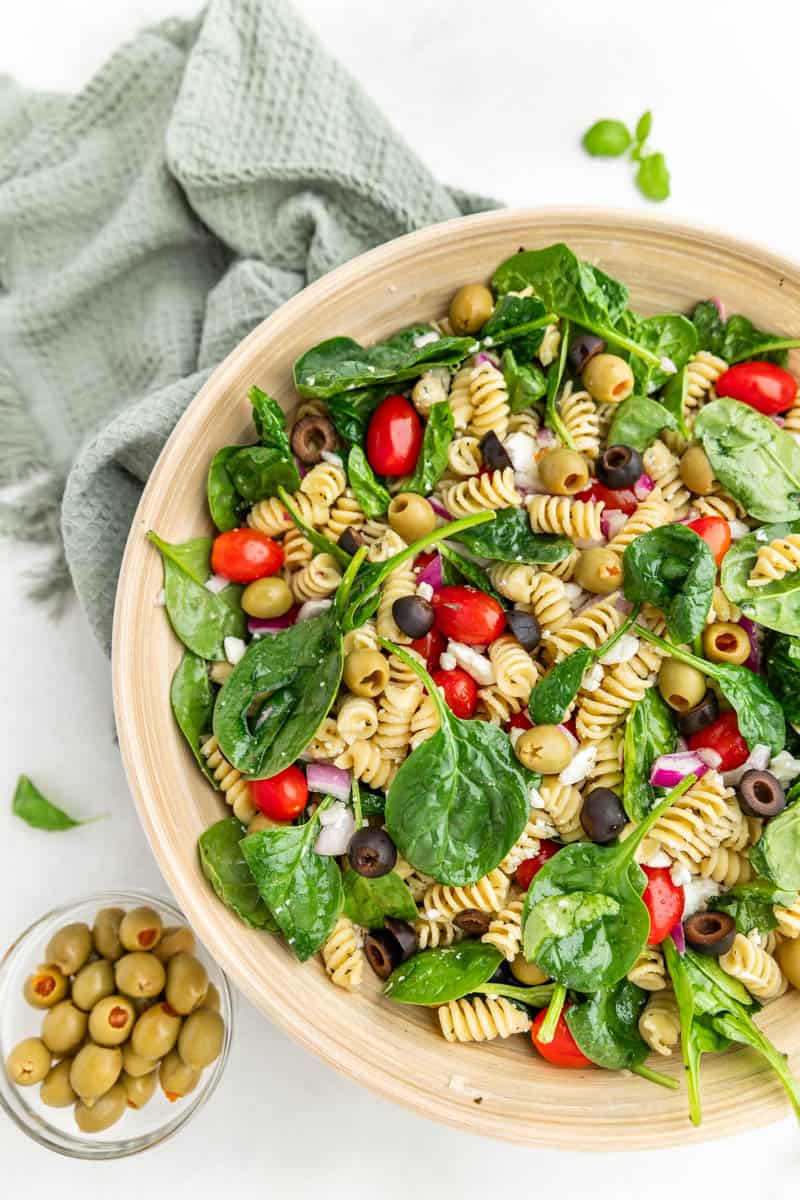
563,804
431,388
695,825
663,467
565,568
489,395
365,760
505,930
343,956
607,769
400,582
365,637
464,456
399,673
526,422
433,933
649,972
309,408
235,789
345,513
788,919
316,581
460,399
623,685
495,490
297,549
791,419
702,372
356,719
383,542
718,503
482,1019
722,609
549,602
551,342
660,1022
650,514
590,628
579,414
324,483
778,558
577,519
395,711
515,581
488,894
416,881
526,846
270,517
727,867
424,722
755,968
515,671
326,743
495,706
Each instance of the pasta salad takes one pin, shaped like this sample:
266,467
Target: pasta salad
495,659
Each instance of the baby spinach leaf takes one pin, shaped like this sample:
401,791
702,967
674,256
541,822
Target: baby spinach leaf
751,904
519,320
652,177
270,422
201,619
258,472
737,338
192,700
606,139
292,678
509,538
370,494
776,854
606,1026
555,373
37,811
553,694
638,421
432,461
752,458
672,339
709,325
367,901
224,502
373,804
777,604
698,1036
459,801
351,411
224,867
340,364
302,889
458,569
783,674
526,383
674,569
447,973
674,399
536,996
649,732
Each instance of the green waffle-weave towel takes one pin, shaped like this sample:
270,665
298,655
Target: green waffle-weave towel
210,170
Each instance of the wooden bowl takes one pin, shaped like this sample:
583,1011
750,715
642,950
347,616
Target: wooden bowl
501,1089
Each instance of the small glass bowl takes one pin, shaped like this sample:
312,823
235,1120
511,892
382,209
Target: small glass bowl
55,1128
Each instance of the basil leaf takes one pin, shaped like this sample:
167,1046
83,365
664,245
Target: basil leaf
674,569
606,139
525,383
783,674
649,733
432,461
606,1026
192,700
776,854
509,538
652,177
752,904
370,494
669,337
224,867
752,458
201,619
37,811
439,976
638,421
224,502
777,604
367,901
551,697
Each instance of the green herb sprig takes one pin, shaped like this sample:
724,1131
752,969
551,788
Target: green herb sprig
611,139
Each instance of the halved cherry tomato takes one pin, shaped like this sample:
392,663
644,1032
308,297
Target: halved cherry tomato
621,498
520,720
431,647
468,615
665,903
715,532
764,386
723,736
424,559
460,691
243,555
531,866
282,797
563,1050
394,437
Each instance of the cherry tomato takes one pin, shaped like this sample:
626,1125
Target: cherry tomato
394,437
531,866
723,736
431,647
716,533
763,385
424,559
460,691
665,902
468,615
563,1050
621,498
282,797
244,555
520,720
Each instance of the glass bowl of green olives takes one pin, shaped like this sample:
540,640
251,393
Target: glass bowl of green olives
115,1026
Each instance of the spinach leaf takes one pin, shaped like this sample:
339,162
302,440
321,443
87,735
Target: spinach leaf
302,889
509,538
258,471
519,320
225,869
783,674
270,422
432,461
367,901
606,1026
672,340
552,417
351,411
525,383
458,569
777,604
752,458
224,502
709,325
192,700
373,804
584,921
759,715
536,996
340,364
698,1035
292,677
201,619
370,494
551,697
674,569
321,544
459,801
638,421
241,475
737,338
649,732
37,811
674,399
776,854
438,976
751,904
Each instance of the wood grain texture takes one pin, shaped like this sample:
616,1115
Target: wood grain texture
502,1089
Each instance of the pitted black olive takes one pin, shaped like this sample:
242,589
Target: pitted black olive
472,920
760,794
310,436
493,452
350,540
710,933
582,348
602,815
619,466
703,714
371,852
406,935
383,952
413,616
525,628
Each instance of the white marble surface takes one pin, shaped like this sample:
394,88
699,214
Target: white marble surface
494,98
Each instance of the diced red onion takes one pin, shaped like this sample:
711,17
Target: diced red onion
261,625
439,508
432,573
757,760
678,937
720,307
482,357
313,608
643,486
545,437
710,757
330,781
669,769
611,521
753,660
778,419
573,741
337,826
621,604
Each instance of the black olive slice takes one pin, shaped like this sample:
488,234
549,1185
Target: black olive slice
710,933
760,794
371,852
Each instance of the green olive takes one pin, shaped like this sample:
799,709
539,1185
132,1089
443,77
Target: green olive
212,998
56,1090
599,570
366,672
111,1021
28,1062
563,472
140,929
788,955
695,471
156,1032
545,749
135,1064
176,1078
201,1038
70,948
527,972
268,597
187,983
262,821
106,932
411,516
176,939
45,987
94,1070
64,1028
470,308
92,983
608,378
726,643
139,974
105,1111
139,1088
681,686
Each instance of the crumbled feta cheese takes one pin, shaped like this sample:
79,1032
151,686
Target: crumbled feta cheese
522,450
592,678
536,798
432,914
697,894
755,937
785,767
217,583
313,608
574,593
425,591
515,734
658,859
425,339
761,535
622,651
447,661
582,763
160,598
467,657
680,875
667,365
488,341
234,649
328,456
738,529
474,348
